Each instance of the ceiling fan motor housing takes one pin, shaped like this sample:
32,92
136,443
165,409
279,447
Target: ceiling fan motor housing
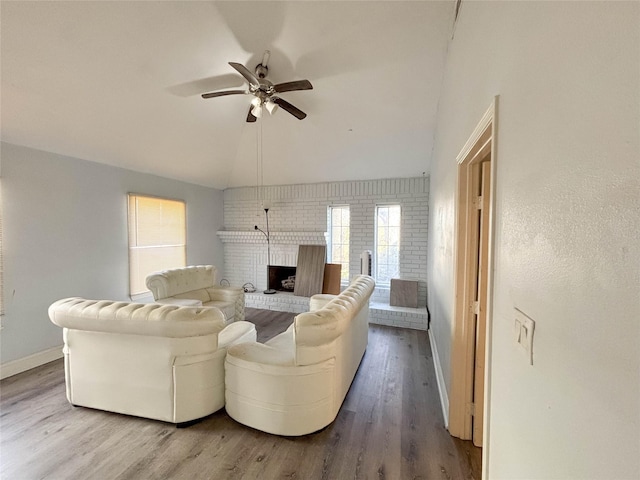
261,71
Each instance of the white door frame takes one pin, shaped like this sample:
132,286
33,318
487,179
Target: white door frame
481,141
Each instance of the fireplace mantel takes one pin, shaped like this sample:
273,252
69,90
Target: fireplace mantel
277,238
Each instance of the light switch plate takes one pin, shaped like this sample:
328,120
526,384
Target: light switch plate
523,330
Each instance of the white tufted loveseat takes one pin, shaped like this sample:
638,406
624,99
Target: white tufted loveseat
196,286
163,362
295,383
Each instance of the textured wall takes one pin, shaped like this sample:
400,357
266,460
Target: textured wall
567,216
303,208
65,235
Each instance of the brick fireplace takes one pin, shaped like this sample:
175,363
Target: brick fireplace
245,255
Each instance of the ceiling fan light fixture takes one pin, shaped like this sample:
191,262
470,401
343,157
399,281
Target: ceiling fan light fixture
271,107
256,111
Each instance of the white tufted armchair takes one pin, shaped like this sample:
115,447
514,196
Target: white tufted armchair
196,286
295,383
164,362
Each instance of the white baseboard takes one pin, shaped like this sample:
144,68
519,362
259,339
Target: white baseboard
27,363
442,388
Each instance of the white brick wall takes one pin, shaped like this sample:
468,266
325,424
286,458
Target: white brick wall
298,209
383,314
415,318
280,302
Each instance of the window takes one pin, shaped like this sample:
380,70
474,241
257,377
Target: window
157,238
339,239
387,243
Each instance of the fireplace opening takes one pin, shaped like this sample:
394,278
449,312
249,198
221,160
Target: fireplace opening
282,278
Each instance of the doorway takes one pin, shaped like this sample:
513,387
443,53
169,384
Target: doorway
470,369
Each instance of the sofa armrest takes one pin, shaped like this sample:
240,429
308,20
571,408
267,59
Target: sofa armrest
229,294
181,302
237,332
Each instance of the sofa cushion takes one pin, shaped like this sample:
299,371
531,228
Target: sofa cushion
199,294
284,342
180,302
228,309
253,355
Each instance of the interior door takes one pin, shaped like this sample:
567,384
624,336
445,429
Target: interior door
483,210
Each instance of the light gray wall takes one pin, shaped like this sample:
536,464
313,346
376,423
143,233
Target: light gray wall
65,234
567,217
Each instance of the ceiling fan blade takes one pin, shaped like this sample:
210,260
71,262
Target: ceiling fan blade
223,93
245,72
250,116
295,111
291,86
209,84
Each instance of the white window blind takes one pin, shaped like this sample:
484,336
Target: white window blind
157,238
339,220
388,221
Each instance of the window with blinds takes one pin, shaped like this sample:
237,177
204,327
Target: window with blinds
157,238
388,222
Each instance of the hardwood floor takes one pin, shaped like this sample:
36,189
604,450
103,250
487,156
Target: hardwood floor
389,427
269,323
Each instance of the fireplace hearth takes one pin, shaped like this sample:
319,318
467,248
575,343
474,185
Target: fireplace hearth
278,274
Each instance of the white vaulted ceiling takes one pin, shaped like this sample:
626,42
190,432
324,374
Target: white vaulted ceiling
119,83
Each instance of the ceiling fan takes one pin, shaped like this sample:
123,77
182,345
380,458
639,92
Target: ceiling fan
264,92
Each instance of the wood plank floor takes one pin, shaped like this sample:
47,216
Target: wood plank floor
390,427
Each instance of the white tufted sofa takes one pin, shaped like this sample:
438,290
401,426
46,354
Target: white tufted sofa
156,361
295,383
196,286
